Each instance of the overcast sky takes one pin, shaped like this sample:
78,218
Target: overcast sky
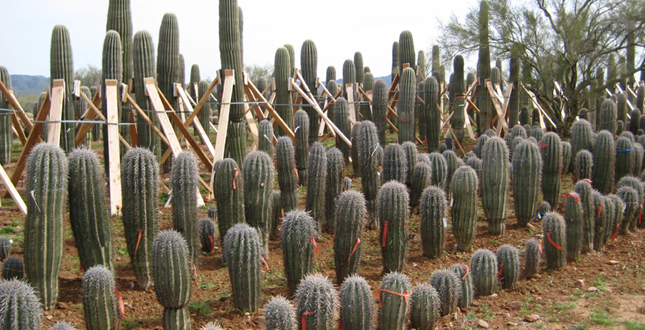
338,27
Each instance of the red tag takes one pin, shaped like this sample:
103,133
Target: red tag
121,308
548,235
304,321
542,146
210,237
572,195
297,175
499,274
613,237
138,241
313,240
467,271
265,264
540,246
384,234
237,173
358,242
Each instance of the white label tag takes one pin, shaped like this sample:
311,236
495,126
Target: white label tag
452,201
445,223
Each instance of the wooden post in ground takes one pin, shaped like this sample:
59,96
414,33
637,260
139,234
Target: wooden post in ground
114,155
56,111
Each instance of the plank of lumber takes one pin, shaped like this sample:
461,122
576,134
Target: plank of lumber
164,121
196,123
16,106
147,119
56,111
12,190
250,88
220,141
114,157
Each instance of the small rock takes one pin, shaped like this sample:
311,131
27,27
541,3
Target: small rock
414,264
483,324
513,305
247,314
512,324
531,318
592,289
579,283
613,262
49,317
118,258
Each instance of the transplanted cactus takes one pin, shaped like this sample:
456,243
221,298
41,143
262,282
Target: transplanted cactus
555,242
184,180
299,234
62,326
301,127
607,117
259,178
281,75
407,97
532,259
287,174
410,150
379,108
228,188
584,191
143,54
13,268
46,177
309,65
140,190
551,148
207,234
625,158
317,167
395,164
483,266
243,256
279,314
433,114
604,159
317,302
172,274
600,216
393,301
439,170
62,67
421,180
630,197
265,133
100,299
20,306
368,145
566,156
508,261
393,213
350,220
464,207
356,304
424,307
433,209
467,289
526,176
448,286
341,119
333,187
583,168
494,180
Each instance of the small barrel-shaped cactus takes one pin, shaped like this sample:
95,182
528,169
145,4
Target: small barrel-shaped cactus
448,286
279,314
333,186
5,247
527,173
421,180
494,181
551,147
301,128
424,307
467,289
299,234
350,220
483,266
583,168
43,245
555,242
316,182
368,146
604,159
258,176
585,192
20,306
532,259
356,304
393,301
140,190
13,268
100,299
439,170
508,261
243,255
172,273
433,209
625,157
317,302
393,213
184,180
207,234
464,206
265,133
228,188
395,164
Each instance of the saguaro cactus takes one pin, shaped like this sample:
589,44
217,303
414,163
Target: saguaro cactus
350,220
341,119
168,64
6,135
317,303
299,236
281,75
100,300
494,183
407,97
467,290
258,176
483,68
407,54
62,67
433,114
243,255
551,148
88,211
301,124
421,180
457,91
367,144
508,260
583,168
265,133
555,242
464,208
140,190
607,117
395,164
532,260
604,158
143,55
172,271
43,245
184,180
317,167
356,304
228,188
287,174
483,266
334,186
21,309
625,158
448,286
395,58
439,170
584,191
379,108
527,173
433,211
309,65
393,213
120,20
393,297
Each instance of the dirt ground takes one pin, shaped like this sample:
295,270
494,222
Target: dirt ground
601,290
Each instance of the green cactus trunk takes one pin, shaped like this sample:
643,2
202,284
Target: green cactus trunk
607,117
395,59
228,188
448,286
62,67
494,181
348,248
604,157
258,176
464,207
407,97
316,186
309,66
433,114
6,135
144,67
243,255
379,108
205,113
21,309
433,209
508,260
393,297
356,304
317,302
551,148
484,268
334,187
393,214
100,299
184,180
287,174
585,192
168,66
299,236
526,176
395,165
555,242
341,120
120,20
467,290
301,123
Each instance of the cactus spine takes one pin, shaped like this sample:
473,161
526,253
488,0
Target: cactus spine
527,173
551,148
143,54
228,188
317,167
265,132
88,212
464,208
309,65
407,97
393,213
140,190
243,255
483,266
317,302
555,242
508,260
301,124
184,181
494,180
100,300
281,74
356,304
170,261
20,306
279,314
448,286
62,67
287,175
334,186
258,176
433,211
392,295
298,246
341,119
604,158
350,220
43,245
395,164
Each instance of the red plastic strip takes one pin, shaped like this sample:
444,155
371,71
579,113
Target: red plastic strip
501,268
358,242
405,296
613,237
210,237
572,195
384,234
121,308
237,173
313,240
138,241
304,321
467,271
548,235
265,265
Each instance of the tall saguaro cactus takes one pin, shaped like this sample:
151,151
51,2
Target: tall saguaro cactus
526,176
407,54
309,65
120,20
112,69
281,75
47,185
433,114
494,181
184,180
258,176
143,56
457,91
483,69
62,67
407,97
168,58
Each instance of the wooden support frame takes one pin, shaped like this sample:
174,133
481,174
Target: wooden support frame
498,108
56,111
89,115
196,123
11,189
114,155
539,107
16,106
254,95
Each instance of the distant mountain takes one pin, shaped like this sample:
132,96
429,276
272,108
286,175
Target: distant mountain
24,85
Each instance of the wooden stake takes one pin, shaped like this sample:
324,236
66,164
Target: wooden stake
114,157
55,113
12,190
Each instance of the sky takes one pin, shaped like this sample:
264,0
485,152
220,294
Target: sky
339,28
